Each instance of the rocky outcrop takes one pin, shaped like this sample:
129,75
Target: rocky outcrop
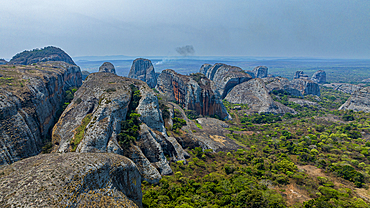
30,98
305,86
3,62
359,101
319,77
344,87
225,77
107,67
195,92
256,96
99,107
280,84
300,75
71,180
142,69
84,74
260,71
305,103
49,53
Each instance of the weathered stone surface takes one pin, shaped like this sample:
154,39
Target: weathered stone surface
104,99
195,92
84,74
300,75
305,86
3,61
29,106
319,77
252,74
225,77
143,69
305,103
71,180
107,67
359,101
260,71
344,87
256,96
280,84
49,53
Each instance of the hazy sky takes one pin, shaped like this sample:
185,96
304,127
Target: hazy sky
282,28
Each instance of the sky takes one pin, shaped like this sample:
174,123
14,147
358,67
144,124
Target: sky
257,28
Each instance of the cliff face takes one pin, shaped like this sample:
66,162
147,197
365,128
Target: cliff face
194,92
256,96
99,107
49,53
30,98
142,69
225,77
107,67
319,77
260,71
359,101
280,83
71,180
306,87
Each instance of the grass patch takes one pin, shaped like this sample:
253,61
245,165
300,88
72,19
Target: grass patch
79,132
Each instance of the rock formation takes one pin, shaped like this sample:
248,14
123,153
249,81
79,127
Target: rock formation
305,103
107,67
260,71
300,75
319,77
224,76
305,86
256,96
280,84
99,107
2,62
71,180
30,98
49,53
195,92
344,87
142,69
359,101
84,74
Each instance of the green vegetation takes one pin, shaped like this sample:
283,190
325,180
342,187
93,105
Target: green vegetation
79,132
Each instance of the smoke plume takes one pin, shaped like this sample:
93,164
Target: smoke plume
185,50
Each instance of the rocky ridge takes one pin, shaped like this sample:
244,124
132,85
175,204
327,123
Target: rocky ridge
142,69
49,53
195,92
359,101
30,98
281,84
71,180
3,62
107,67
344,87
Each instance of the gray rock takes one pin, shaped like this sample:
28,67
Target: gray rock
256,96
305,86
28,111
3,62
71,180
281,84
225,77
84,74
303,102
142,69
344,87
252,74
359,101
260,71
195,92
319,77
107,67
298,74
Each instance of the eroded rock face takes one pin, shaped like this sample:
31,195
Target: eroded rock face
195,92
280,84
107,67
256,96
359,101
71,180
49,53
143,70
344,87
101,104
305,86
260,71
29,107
300,75
225,77
2,62
319,77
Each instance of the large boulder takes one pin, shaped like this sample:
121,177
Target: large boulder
71,180
344,87
107,67
319,77
49,53
256,96
30,100
300,75
305,86
359,101
225,77
195,92
142,69
92,122
260,71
